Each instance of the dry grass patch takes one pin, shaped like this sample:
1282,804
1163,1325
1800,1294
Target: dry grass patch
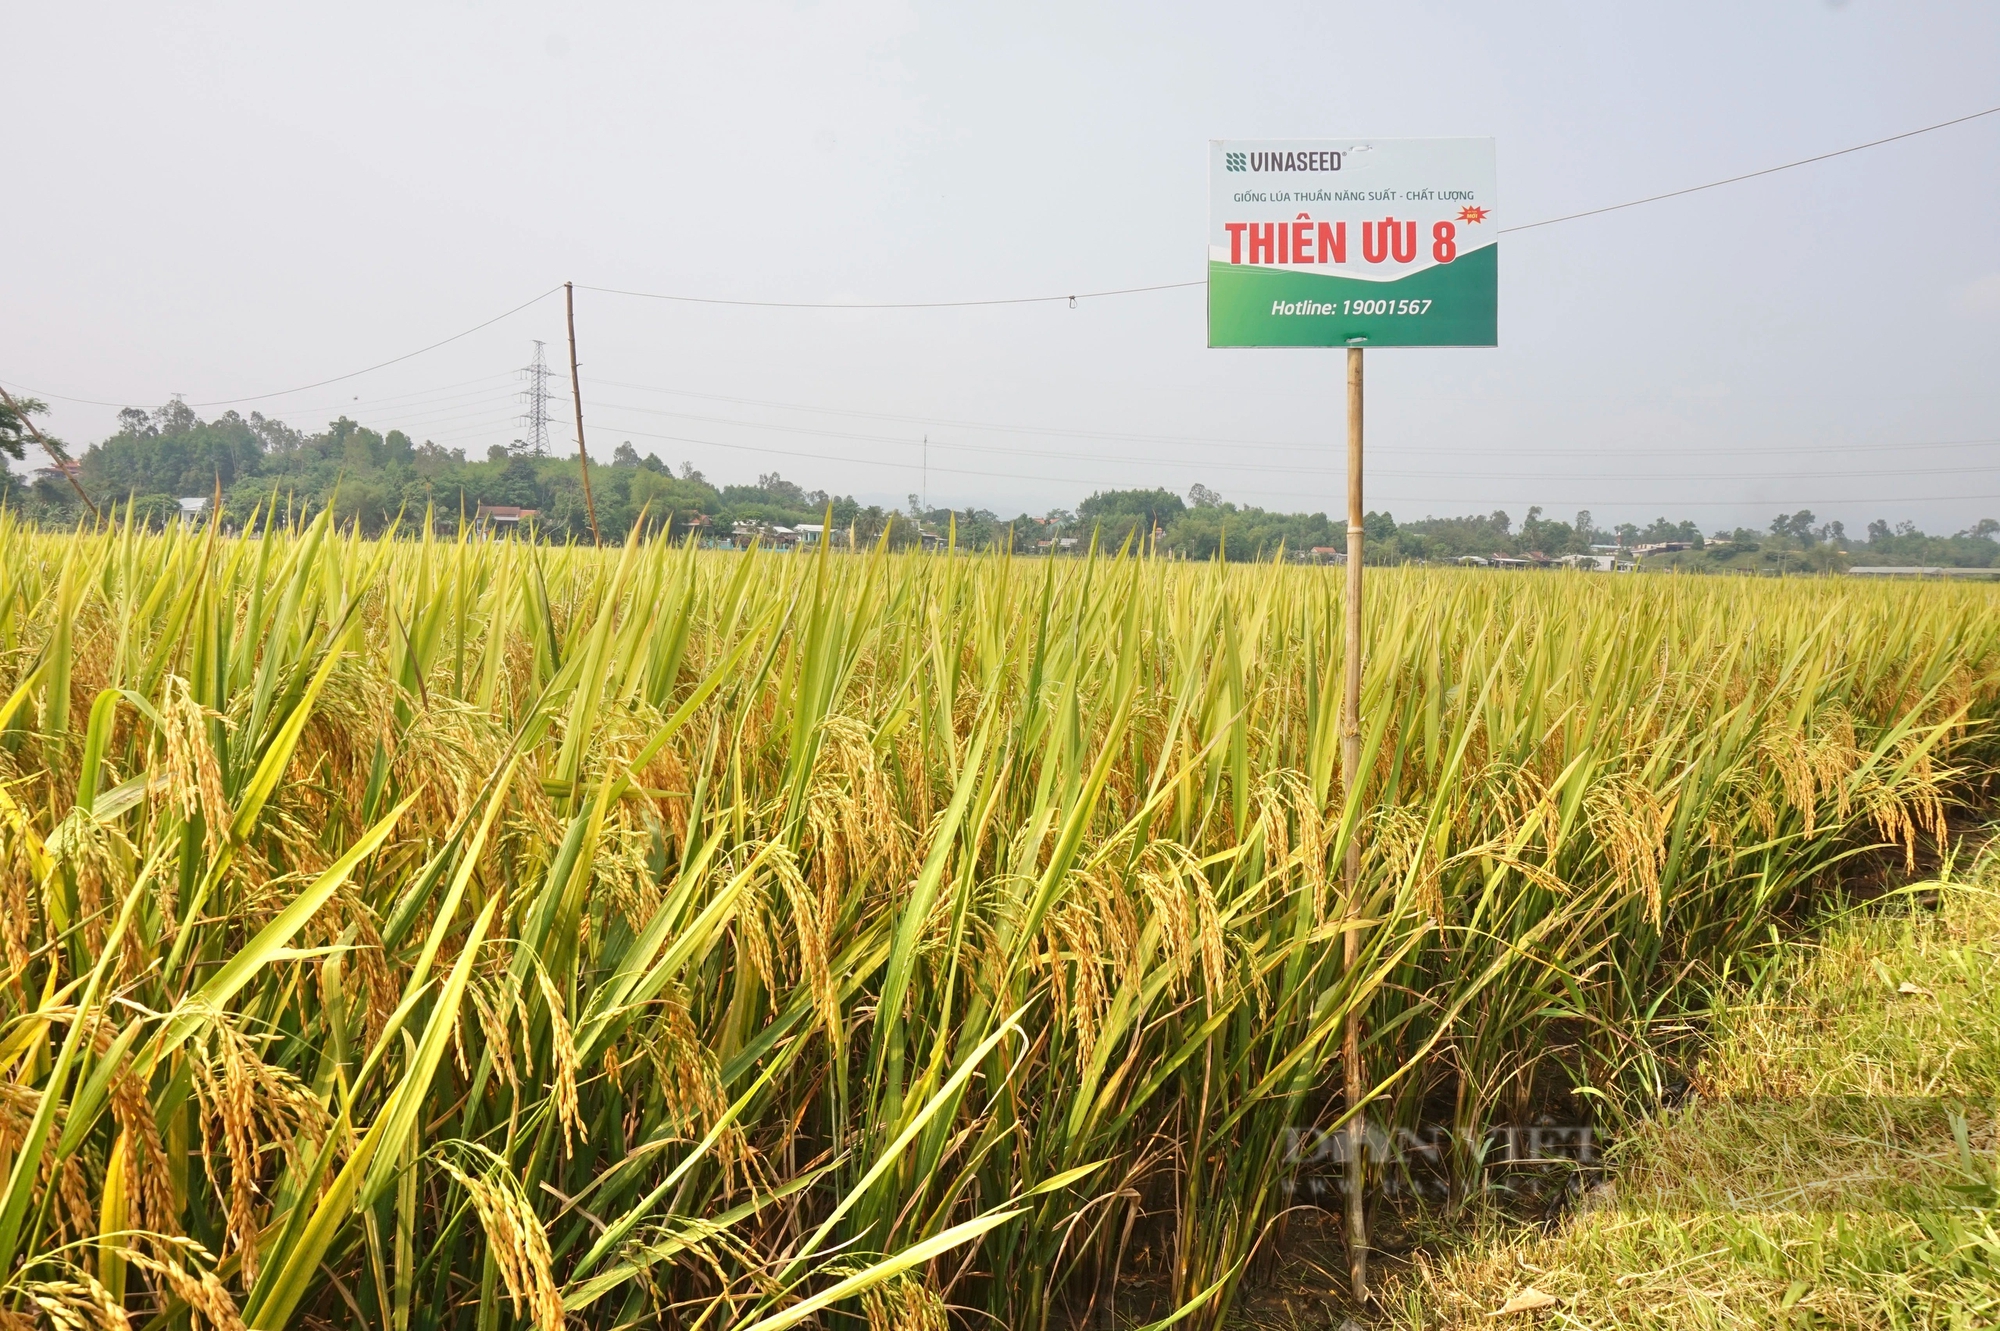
1836,1166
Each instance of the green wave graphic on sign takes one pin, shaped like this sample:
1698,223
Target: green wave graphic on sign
1450,305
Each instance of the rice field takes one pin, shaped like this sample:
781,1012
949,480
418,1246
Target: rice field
423,934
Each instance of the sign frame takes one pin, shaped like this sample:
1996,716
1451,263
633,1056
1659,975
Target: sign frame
1353,242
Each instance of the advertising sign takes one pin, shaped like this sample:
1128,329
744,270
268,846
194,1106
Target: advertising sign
1352,242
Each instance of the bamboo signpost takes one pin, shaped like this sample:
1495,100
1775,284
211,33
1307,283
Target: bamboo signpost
1353,243
576,398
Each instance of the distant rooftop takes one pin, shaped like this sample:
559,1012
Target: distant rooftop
1919,571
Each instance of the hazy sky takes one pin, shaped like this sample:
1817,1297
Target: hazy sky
233,200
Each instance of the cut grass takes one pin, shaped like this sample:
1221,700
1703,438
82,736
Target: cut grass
1835,1166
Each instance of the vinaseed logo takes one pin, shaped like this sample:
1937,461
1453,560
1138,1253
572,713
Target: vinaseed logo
1285,161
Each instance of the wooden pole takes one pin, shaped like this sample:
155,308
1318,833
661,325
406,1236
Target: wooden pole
55,454
1350,776
576,399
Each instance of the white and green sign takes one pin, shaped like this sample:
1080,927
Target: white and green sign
1353,242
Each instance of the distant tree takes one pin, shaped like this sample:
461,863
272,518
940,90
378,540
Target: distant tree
278,438
1121,514
1250,533
1663,529
173,452
1200,496
368,500
780,490
176,417
14,425
661,493
976,528
1160,505
1904,544
154,511
517,485
1451,538
356,447
625,455
1797,526
1540,535
865,525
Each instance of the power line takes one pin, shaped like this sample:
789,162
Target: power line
489,384
1293,493
338,378
1074,297
331,406
434,406
1192,440
393,360
1234,465
403,418
1752,175
1071,297
489,418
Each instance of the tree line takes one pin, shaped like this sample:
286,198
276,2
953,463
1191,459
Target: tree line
379,479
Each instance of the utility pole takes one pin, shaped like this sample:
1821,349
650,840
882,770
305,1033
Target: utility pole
537,419
1350,776
576,397
56,455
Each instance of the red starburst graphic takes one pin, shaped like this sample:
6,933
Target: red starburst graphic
1472,215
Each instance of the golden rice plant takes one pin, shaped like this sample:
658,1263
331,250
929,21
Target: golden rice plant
423,934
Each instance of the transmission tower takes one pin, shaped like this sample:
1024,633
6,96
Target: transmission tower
536,421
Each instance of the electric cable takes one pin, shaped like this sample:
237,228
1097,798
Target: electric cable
1074,297
1751,175
1215,441
338,378
1209,463
379,365
1071,297
1291,494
